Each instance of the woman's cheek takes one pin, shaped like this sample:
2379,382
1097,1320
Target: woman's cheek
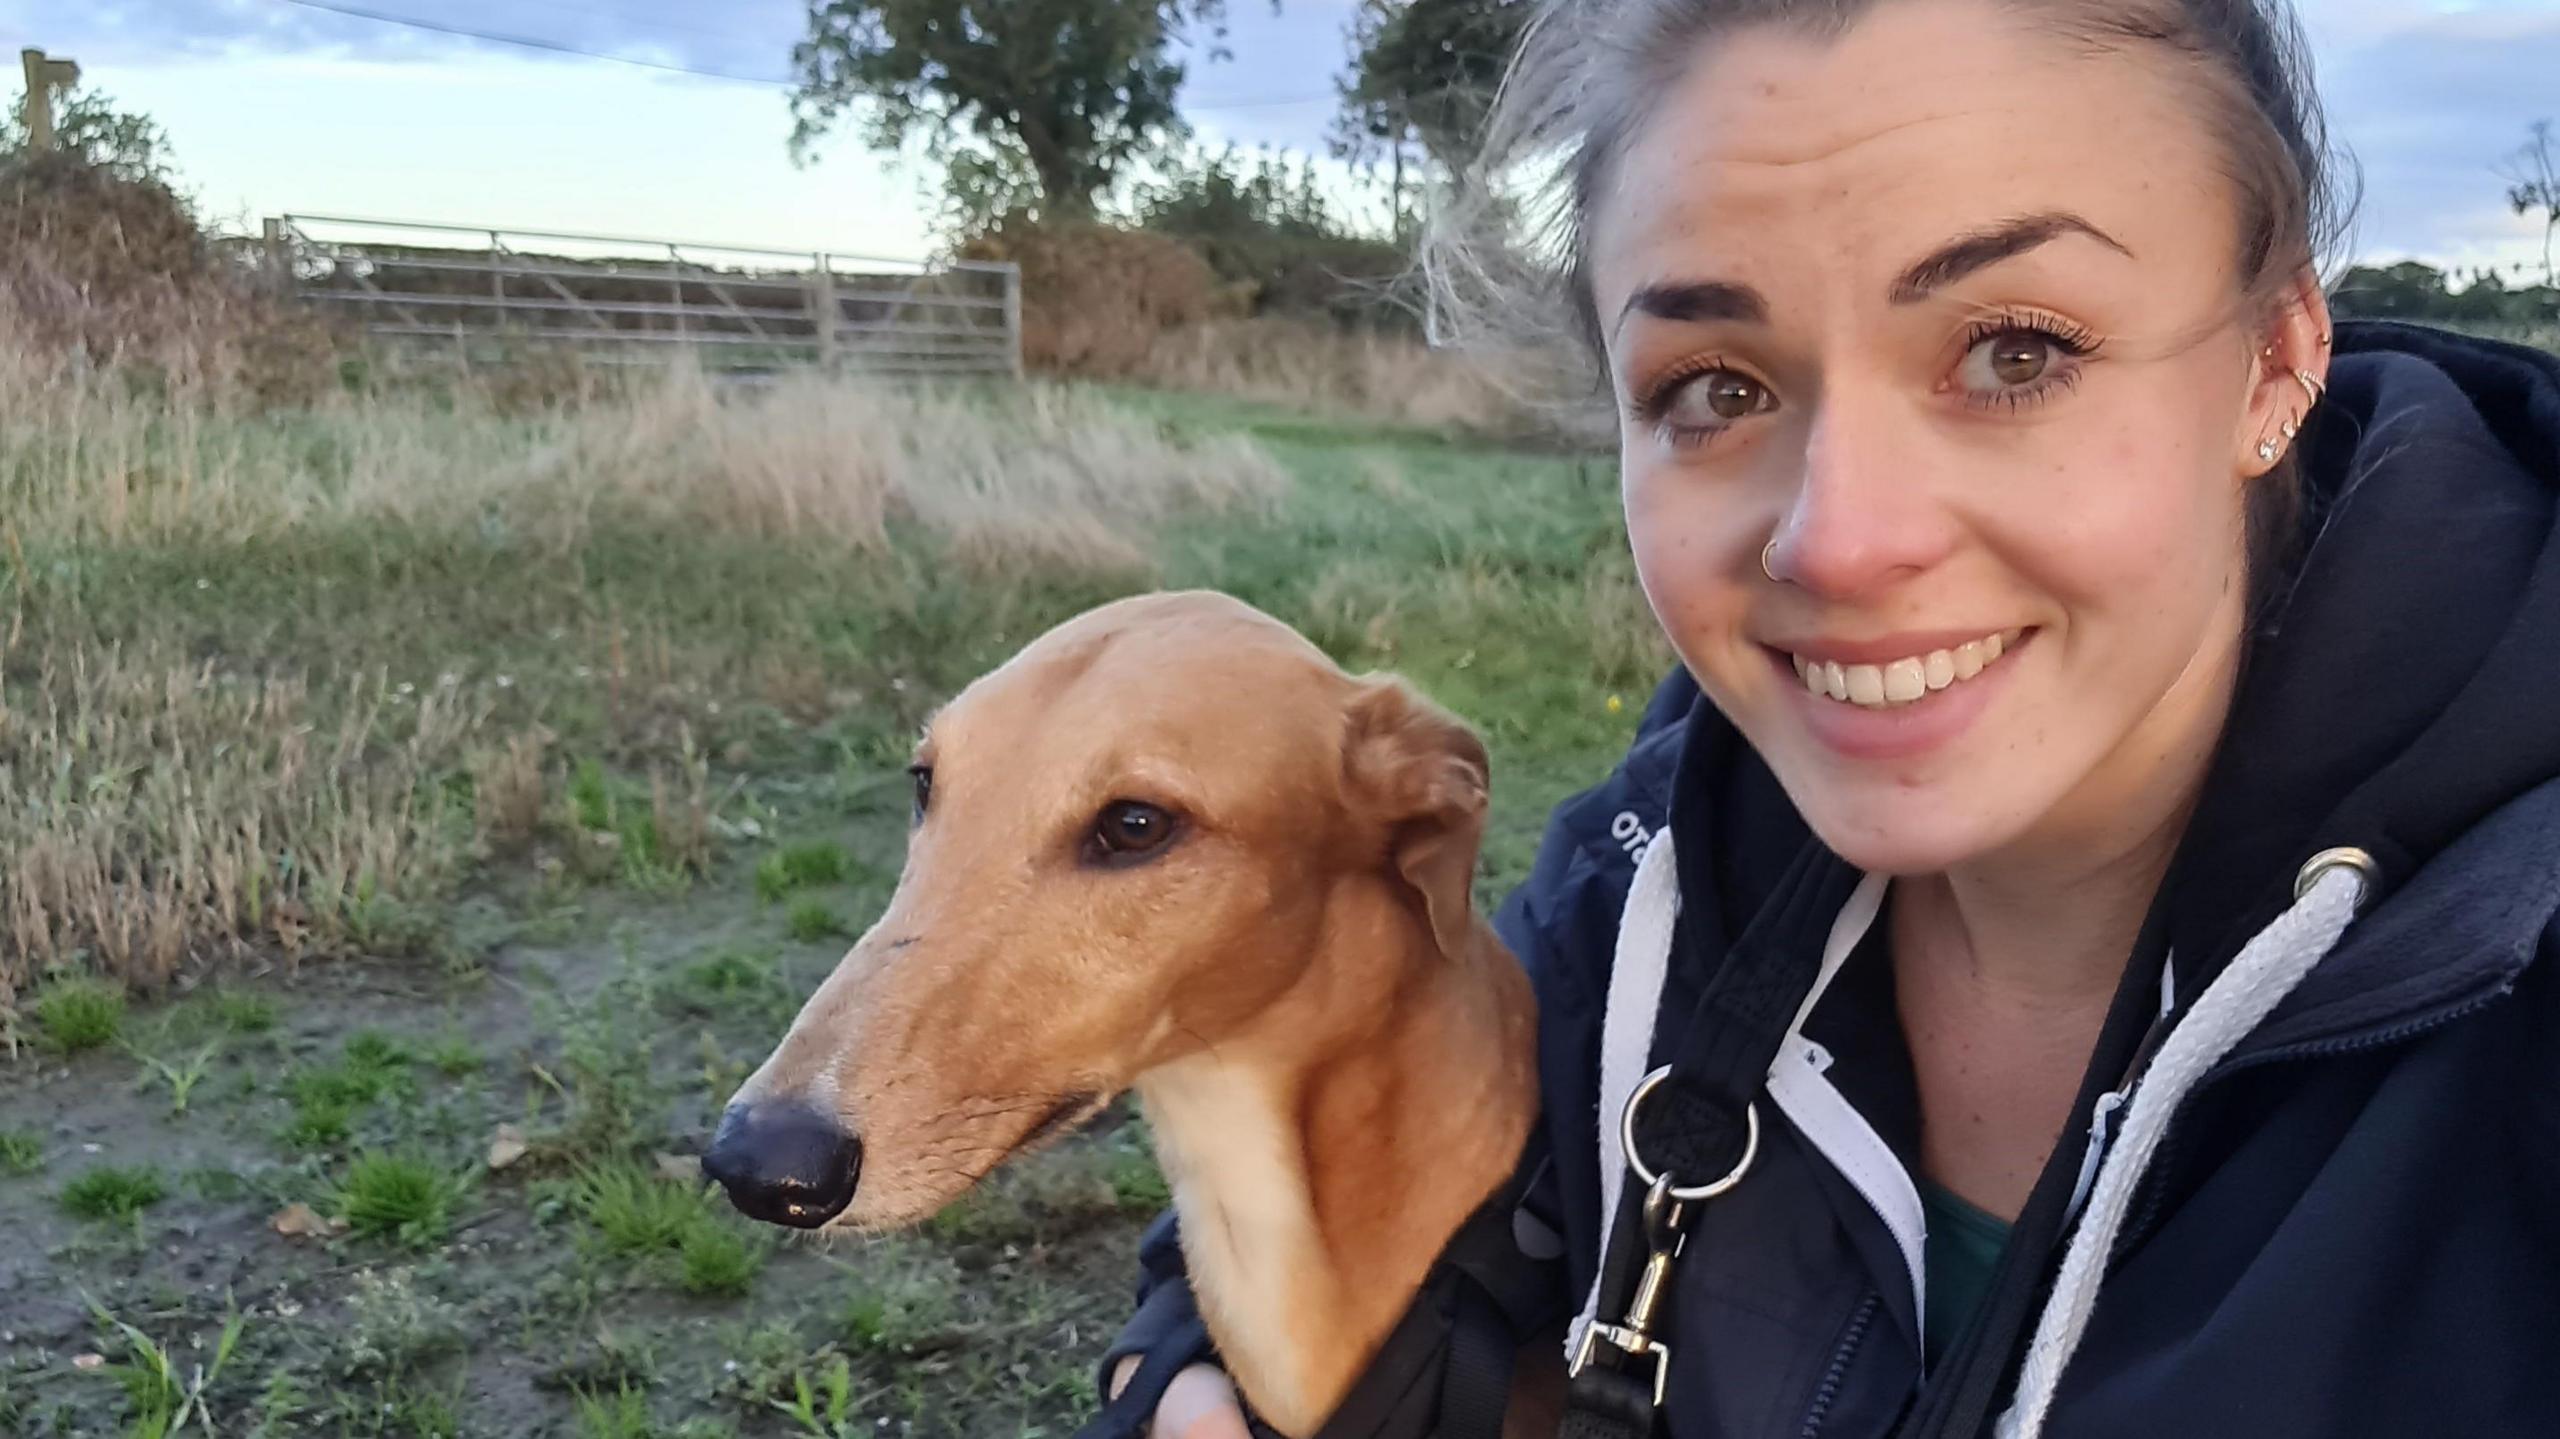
1677,563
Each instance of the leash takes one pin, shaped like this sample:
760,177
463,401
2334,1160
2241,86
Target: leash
1689,1129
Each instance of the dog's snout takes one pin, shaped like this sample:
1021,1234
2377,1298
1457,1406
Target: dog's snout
784,1163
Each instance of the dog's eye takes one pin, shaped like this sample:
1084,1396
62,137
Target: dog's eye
1128,829
924,787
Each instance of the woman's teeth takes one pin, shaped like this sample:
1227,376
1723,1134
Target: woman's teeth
1899,682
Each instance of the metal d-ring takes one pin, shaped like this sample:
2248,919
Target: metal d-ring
1645,1173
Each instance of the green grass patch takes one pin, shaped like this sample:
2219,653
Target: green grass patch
811,920
370,1051
730,982
113,1192
632,1211
717,1261
453,1056
78,1013
1137,1183
403,1198
328,1099
673,1229
244,1013
623,1414
21,1153
807,864
318,1124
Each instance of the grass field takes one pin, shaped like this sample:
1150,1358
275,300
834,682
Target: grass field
424,813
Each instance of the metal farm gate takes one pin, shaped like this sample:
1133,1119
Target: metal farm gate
735,308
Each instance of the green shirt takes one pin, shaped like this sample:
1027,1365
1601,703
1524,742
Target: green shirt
1962,1249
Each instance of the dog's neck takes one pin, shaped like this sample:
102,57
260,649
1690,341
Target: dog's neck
1322,1158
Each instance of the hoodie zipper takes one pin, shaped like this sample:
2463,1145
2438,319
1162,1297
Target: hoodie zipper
1829,1390
2172,1144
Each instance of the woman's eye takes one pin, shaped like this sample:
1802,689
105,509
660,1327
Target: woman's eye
1715,398
2008,360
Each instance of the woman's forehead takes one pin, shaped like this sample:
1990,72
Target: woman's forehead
1774,152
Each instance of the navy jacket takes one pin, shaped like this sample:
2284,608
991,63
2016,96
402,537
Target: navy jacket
2353,1227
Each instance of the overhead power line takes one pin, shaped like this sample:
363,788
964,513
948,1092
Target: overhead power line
529,42
555,47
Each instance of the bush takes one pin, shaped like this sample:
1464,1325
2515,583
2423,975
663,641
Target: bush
114,267
1095,297
1269,235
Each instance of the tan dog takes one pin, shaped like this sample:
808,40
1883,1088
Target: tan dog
1171,847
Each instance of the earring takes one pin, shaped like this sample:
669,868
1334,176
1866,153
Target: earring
2311,385
2267,450
1766,552
2290,429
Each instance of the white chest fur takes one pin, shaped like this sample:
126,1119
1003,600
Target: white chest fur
1249,1228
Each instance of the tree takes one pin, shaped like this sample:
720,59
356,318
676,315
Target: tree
1058,93
2532,174
1424,72
88,127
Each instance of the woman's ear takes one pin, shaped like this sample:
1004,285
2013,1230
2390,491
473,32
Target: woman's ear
2289,374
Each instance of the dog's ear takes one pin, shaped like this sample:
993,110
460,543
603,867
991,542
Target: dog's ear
1416,770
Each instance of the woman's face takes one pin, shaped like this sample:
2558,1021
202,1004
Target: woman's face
1947,309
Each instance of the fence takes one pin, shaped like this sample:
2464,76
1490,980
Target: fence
734,307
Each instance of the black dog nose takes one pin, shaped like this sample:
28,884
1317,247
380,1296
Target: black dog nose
784,1163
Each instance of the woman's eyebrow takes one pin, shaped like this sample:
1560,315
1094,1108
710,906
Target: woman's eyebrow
1986,247
1708,301
1697,302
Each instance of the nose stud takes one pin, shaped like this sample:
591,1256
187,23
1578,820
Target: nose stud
1768,552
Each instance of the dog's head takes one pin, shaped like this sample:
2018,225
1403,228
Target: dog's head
1130,841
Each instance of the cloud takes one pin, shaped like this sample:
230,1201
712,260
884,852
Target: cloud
2429,97
750,37
2430,106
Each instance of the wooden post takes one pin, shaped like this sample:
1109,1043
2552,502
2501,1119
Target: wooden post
822,310
278,260
44,76
1013,314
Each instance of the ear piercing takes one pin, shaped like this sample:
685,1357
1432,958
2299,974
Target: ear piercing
2268,448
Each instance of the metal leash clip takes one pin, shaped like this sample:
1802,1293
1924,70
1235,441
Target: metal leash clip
1666,1225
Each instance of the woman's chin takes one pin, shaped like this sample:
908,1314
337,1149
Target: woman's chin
1906,832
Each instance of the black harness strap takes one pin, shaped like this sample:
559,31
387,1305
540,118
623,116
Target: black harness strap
1695,1125
1128,1415
1475,1378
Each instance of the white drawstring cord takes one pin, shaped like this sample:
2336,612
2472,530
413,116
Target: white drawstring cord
2259,978
1636,977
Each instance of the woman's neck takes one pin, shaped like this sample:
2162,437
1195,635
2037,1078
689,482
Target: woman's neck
2005,966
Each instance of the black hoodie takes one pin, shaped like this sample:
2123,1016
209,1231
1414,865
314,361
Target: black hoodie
2352,1223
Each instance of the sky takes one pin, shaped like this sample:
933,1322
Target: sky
275,107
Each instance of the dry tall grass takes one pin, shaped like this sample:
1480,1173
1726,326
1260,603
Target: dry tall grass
1042,476
170,803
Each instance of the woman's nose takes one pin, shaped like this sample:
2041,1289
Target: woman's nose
1864,511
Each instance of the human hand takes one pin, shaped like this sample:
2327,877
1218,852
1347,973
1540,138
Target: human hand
1200,1403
